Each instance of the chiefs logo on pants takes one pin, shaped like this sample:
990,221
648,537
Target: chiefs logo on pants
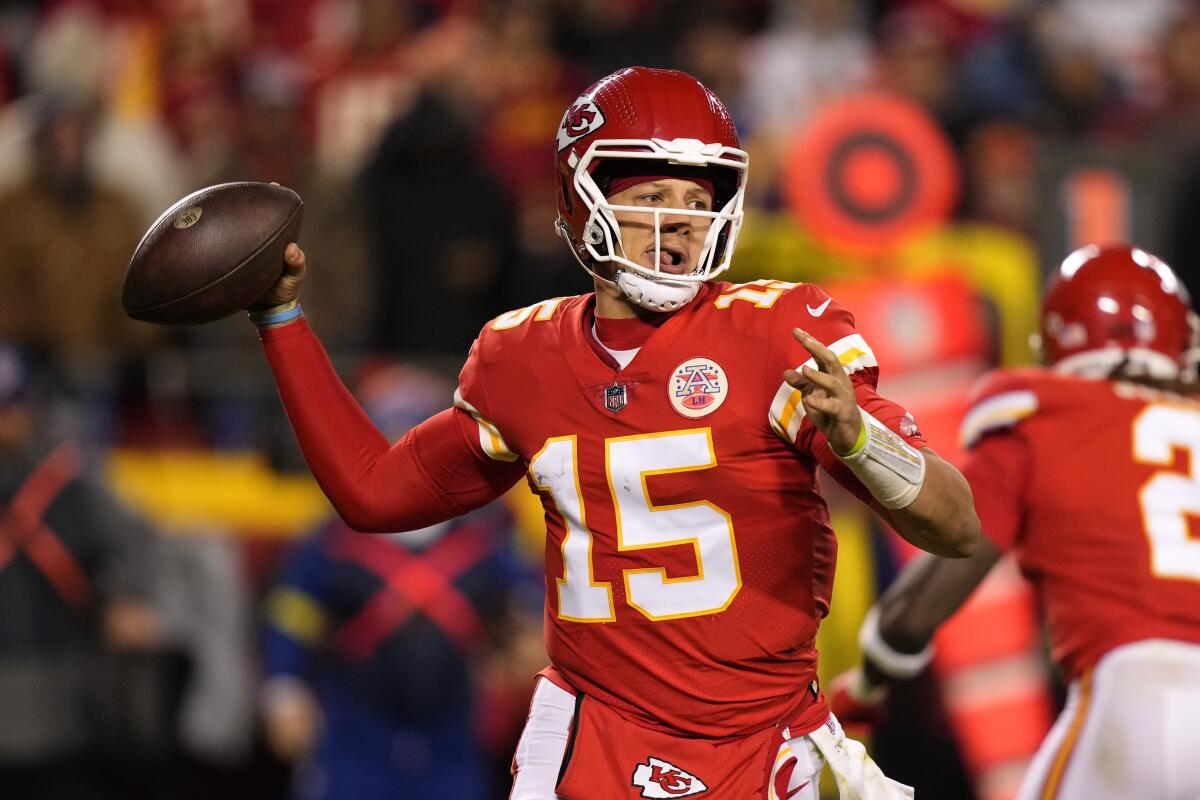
658,778
576,748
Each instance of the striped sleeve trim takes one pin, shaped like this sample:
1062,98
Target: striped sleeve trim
489,435
1001,411
787,412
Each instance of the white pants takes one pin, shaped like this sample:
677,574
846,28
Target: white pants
543,744
1130,729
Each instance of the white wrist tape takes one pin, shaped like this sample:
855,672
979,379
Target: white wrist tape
886,658
891,468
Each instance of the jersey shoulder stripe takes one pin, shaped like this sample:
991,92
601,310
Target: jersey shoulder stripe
490,438
997,412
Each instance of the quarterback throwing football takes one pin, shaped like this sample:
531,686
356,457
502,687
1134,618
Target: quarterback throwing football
673,426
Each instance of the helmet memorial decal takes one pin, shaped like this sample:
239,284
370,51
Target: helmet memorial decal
582,118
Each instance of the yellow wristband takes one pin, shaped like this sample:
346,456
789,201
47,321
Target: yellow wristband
860,442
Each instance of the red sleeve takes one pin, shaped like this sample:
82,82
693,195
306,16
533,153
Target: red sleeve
435,472
891,414
998,468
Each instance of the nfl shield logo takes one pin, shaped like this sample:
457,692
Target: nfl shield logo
614,397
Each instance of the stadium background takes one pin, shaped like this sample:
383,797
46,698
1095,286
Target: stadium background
925,160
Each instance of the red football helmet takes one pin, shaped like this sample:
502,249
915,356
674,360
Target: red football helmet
1110,305
673,125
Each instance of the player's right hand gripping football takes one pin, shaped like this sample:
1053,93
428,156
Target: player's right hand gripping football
287,287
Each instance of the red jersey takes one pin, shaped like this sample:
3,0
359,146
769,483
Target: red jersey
689,557
1092,483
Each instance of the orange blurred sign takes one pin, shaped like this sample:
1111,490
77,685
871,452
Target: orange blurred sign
868,171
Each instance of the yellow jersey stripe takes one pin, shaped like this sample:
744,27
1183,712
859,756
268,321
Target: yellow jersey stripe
787,412
489,435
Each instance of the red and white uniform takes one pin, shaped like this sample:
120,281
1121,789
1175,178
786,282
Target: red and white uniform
1092,482
689,557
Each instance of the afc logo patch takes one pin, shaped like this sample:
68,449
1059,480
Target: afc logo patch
582,118
697,387
658,778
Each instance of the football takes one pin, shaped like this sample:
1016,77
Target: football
211,254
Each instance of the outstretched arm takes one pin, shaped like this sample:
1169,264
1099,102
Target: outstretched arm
897,635
434,473
899,628
925,594
924,498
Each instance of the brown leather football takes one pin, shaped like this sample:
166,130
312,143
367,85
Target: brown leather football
211,254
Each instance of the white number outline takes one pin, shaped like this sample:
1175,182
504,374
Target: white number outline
694,541
578,528
1174,554
763,297
512,319
572,528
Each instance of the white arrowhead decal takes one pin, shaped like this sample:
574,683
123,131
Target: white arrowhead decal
662,779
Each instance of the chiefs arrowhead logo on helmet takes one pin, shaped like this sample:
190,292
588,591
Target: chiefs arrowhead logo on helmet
582,118
654,122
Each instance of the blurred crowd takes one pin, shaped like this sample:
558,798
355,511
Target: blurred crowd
419,133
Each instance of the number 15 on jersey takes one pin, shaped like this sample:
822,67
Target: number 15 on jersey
641,525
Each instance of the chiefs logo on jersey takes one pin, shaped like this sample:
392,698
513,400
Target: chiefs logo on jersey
658,778
582,118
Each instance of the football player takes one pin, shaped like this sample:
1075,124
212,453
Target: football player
1086,469
672,425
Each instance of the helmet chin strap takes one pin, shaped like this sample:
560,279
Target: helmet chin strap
652,295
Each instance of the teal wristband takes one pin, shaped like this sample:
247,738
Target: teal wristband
261,318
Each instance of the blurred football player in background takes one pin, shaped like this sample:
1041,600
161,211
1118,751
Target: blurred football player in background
672,426
373,643
1086,469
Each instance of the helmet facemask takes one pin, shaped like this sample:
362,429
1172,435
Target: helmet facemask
653,287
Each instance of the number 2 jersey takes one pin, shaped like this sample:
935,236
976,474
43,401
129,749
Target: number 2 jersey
689,557
1092,482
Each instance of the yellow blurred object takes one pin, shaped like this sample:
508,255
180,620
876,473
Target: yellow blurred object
136,70
526,508
297,614
853,589
238,491
1000,265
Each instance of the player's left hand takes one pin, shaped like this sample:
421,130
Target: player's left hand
829,398
856,703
